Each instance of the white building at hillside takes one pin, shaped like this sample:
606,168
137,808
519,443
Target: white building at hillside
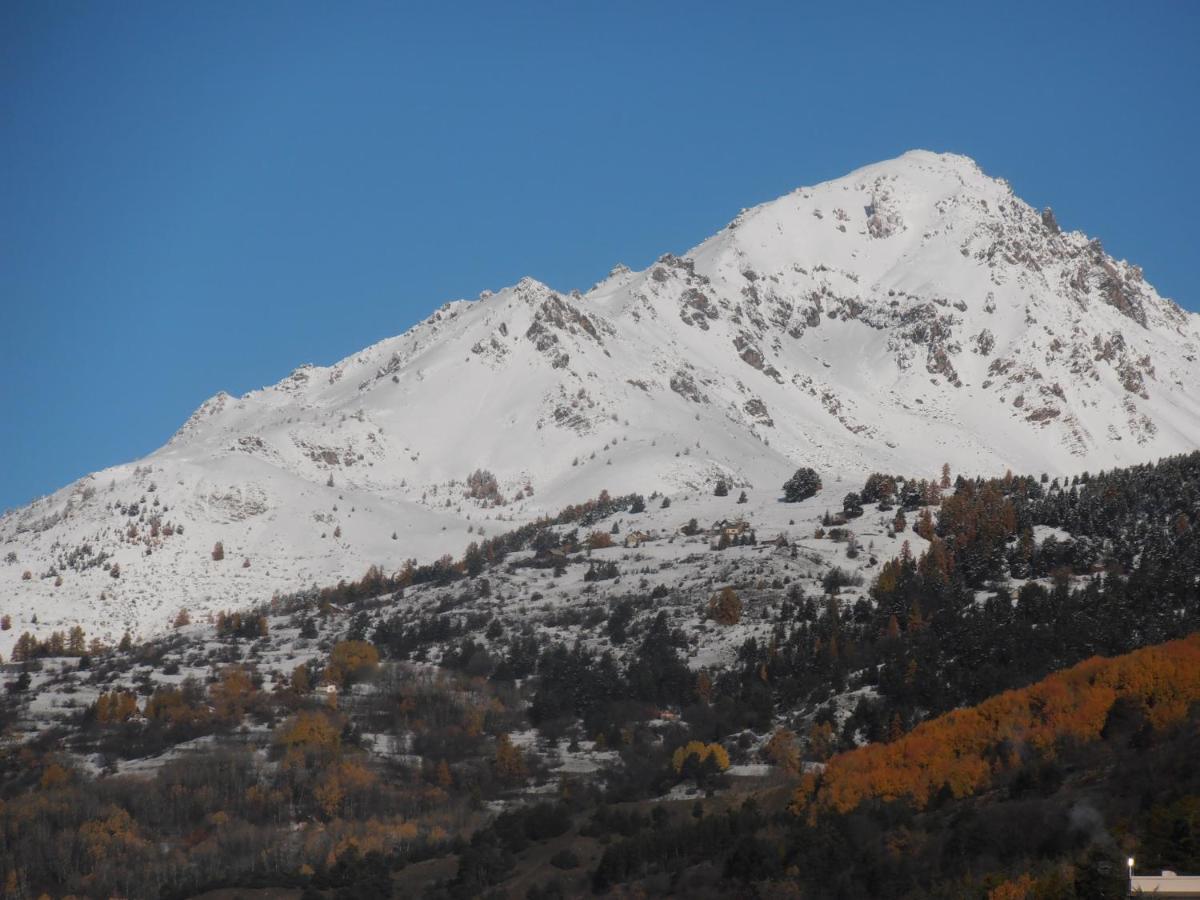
1168,884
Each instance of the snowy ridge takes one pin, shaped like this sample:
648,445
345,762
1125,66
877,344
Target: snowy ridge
912,313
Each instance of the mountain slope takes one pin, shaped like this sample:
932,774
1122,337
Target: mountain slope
911,313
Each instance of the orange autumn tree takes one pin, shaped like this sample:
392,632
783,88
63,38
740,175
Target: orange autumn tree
54,776
107,837
725,607
924,524
169,704
599,540
782,751
1017,889
957,751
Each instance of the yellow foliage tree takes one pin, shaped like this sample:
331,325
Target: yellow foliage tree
329,794
698,753
309,736
55,776
351,661
509,762
341,788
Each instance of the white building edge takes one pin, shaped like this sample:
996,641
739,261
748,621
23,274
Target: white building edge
1168,884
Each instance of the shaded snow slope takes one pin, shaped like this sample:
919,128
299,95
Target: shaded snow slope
912,313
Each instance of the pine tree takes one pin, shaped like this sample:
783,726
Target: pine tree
803,484
76,643
26,648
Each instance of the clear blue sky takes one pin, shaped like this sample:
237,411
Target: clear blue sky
196,197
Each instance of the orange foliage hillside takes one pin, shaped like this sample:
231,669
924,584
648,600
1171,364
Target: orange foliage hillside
962,750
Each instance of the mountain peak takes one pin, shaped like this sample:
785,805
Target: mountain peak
926,168
911,313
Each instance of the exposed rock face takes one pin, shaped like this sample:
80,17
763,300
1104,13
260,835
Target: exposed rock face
757,410
685,386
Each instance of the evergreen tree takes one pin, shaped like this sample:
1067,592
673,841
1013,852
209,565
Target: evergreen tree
803,484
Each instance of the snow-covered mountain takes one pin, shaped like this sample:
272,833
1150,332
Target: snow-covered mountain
912,313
